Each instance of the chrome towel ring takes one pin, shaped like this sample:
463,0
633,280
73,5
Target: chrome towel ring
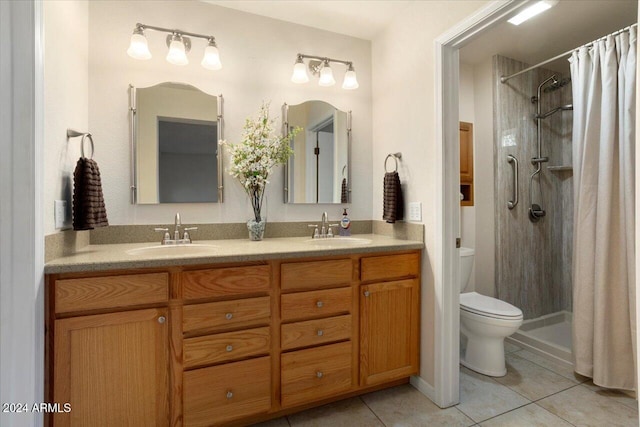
74,133
395,157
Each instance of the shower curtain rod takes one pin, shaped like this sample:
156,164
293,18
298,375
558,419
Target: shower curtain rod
504,79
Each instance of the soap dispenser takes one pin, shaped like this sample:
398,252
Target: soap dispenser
345,225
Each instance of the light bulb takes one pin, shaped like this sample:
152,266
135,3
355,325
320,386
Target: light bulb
350,81
211,59
177,54
326,76
299,72
138,48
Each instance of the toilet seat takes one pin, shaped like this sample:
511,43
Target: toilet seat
483,305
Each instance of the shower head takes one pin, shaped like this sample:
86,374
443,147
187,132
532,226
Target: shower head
557,84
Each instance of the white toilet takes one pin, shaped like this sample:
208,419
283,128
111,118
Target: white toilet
485,322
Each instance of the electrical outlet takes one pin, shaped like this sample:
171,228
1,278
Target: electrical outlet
415,211
60,214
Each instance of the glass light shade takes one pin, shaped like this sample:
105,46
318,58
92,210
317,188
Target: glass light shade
326,77
211,60
138,48
177,55
350,80
300,73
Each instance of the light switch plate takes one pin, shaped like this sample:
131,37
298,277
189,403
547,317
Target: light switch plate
415,211
60,214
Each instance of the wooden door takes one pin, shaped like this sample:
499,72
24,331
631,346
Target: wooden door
466,163
113,369
389,325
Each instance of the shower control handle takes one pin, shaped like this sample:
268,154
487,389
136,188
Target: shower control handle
514,201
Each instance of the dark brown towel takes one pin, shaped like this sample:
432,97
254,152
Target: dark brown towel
343,194
393,209
88,202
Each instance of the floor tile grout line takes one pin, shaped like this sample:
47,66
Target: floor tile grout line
500,414
462,412
372,411
545,409
544,367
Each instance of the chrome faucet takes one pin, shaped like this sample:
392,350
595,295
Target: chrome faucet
325,228
186,238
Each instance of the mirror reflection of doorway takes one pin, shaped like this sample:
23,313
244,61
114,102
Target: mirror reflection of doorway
320,158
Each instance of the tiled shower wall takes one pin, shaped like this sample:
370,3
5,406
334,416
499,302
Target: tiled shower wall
533,260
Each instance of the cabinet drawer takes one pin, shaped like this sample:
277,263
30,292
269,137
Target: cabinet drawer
313,332
110,292
226,314
219,394
217,348
316,274
389,267
225,282
306,305
315,373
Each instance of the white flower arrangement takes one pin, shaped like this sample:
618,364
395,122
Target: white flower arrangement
254,157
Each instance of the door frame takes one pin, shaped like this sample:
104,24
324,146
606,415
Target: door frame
446,390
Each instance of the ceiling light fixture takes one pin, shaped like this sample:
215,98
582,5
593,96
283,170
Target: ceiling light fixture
320,66
532,11
179,45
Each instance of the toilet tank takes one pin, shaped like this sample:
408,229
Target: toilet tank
466,265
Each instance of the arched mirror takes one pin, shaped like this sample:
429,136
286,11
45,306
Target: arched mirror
175,152
320,169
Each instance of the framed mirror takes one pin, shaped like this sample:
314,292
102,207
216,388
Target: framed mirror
175,152
320,169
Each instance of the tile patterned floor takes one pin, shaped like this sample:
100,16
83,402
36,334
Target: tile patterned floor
535,392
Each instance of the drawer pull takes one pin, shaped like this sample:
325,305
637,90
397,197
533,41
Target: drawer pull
319,374
319,304
228,316
162,319
229,394
367,293
229,348
320,332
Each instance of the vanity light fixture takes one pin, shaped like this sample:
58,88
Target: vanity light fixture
321,66
179,43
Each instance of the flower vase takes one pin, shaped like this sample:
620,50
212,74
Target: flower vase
256,228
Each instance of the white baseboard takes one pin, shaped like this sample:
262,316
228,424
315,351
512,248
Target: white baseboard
424,387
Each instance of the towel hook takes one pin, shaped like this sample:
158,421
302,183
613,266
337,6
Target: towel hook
74,133
395,157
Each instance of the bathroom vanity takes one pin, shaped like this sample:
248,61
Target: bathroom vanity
232,341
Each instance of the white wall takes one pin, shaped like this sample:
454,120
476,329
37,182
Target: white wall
404,120
66,98
483,179
467,114
257,54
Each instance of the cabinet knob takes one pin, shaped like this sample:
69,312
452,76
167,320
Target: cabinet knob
228,316
320,332
162,319
229,394
319,374
319,304
367,293
229,348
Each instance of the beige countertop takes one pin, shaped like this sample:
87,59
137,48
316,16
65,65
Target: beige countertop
116,256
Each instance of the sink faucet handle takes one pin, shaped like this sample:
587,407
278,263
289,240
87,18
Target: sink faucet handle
315,234
186,235
330,229
166,237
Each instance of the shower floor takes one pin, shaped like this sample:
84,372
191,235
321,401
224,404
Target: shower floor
548,336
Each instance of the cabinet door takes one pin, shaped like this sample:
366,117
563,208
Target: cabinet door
389,320
466,152
112,369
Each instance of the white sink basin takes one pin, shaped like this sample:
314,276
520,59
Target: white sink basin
339,242
174,250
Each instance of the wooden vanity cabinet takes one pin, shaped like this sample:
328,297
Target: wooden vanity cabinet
389,318
229,344
112,368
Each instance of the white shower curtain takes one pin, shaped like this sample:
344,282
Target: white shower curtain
604,87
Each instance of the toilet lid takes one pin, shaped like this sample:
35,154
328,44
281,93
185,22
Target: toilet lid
487,306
